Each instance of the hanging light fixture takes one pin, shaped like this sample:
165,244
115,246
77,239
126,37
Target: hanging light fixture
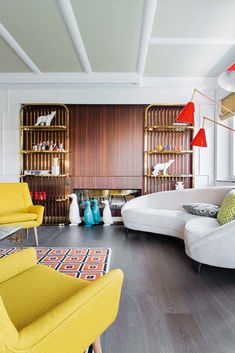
226,79
187,116
200,138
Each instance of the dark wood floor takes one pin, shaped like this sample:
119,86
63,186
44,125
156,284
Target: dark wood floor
165,307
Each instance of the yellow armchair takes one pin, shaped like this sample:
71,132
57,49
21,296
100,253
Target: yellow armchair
16,207
44,311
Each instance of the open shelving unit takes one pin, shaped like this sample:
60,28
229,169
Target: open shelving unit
55,188
160,129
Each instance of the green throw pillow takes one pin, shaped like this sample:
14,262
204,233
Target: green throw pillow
226,213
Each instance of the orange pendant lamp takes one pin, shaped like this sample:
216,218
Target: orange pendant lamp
200,138
187,114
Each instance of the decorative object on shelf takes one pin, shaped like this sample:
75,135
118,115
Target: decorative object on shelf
88,216
160,127
55,170
162,167
45,119
179,185
159,148
74,214
226,79
200,138
95,211
107,216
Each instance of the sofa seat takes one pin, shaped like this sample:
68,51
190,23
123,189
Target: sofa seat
171,222
46,292
17,217
195,230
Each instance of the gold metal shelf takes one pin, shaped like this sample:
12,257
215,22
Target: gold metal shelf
46,151
170,176
177,128
168,152
47,128
54,200
44,175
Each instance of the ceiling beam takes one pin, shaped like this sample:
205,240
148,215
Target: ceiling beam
67,13
146,30
192,41
18,50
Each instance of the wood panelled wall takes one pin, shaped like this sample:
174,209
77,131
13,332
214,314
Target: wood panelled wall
106,144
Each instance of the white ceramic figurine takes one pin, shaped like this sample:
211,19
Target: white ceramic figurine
107,216
45,119
162,167
74,214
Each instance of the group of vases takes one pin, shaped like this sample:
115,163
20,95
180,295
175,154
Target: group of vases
91,215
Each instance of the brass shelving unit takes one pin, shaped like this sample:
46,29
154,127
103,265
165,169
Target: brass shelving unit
160,129
54,187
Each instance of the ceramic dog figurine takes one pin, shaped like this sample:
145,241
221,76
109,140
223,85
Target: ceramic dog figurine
162,167
74,215
45,119
107,216
88,217
95,211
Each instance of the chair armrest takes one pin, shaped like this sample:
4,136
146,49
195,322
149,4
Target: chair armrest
217,235
7,329
87,313
12,265
39,210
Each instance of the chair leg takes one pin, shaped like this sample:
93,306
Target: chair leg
126,231
27,233
36,235
96,346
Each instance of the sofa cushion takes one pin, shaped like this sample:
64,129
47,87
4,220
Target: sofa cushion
170,222
227,210
17,217
196,229
202,209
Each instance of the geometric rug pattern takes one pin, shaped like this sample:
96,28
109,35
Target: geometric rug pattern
83,263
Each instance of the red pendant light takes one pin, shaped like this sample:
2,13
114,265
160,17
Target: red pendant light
187,114
200,139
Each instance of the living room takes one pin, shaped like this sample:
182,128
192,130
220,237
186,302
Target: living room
117,170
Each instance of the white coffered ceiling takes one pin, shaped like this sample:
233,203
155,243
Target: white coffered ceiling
130,41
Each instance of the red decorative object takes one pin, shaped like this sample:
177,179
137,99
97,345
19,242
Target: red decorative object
200,139
187,114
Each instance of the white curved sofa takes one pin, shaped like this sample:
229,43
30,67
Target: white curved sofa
206,241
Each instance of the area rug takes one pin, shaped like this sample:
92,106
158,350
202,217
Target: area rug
84,263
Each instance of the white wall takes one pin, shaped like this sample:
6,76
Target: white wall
11,99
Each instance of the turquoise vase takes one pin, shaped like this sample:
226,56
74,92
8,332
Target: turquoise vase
96,211
88,217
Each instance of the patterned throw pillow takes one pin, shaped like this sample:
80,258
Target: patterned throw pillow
226,213
202,209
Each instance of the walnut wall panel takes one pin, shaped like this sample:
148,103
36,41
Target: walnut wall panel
106,144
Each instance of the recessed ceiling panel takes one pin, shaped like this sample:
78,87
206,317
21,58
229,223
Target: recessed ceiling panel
194,18
39,29
111,32
188,60
9,60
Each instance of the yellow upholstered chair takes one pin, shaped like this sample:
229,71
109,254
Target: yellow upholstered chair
16,207
44,311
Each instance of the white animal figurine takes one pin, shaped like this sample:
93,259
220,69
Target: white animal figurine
74,214
45,119
162,167
107,216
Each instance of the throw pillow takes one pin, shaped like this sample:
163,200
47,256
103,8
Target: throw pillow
226,213
202,209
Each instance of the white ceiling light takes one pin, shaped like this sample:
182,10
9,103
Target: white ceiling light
226,79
